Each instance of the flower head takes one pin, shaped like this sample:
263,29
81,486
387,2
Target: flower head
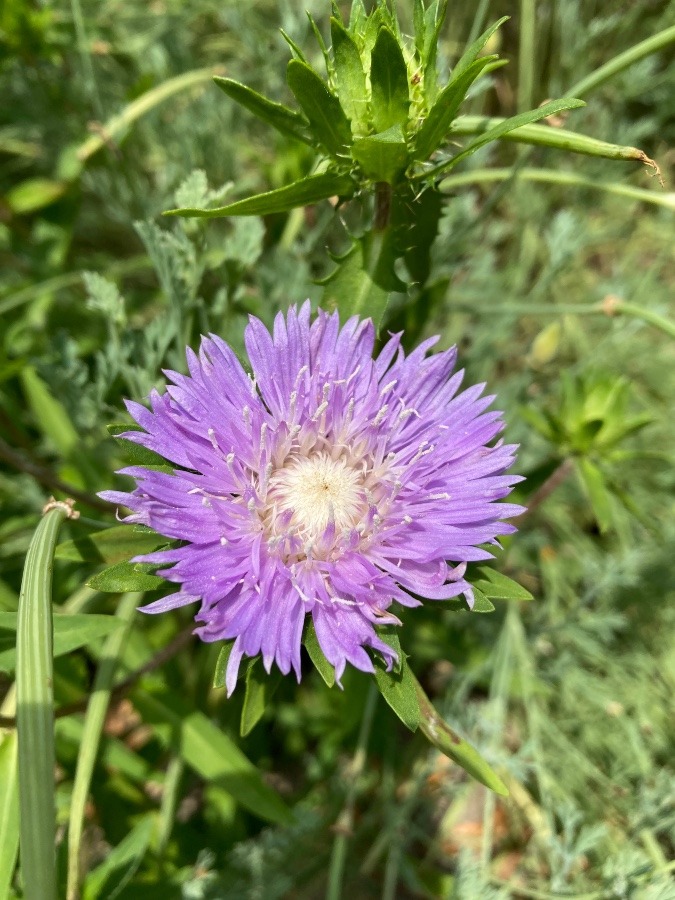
328,484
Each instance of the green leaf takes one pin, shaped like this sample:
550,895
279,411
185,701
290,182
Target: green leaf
311,642
504,127
35,711
434,19
34,194
221,664
364,278
135,454
112,545
481,604
398,686
121,863
123,577
70,633
52,417
435,127
389,82
467,58
444,738
547,136
259,689
595,486
9,811
94,721
500,587
322,108
277,115
383,157
419,25
420,218
300,193
350,76
210,753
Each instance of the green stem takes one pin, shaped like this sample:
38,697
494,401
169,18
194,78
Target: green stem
345,821
547,136
551,176
611,306
526,55
620,307
623,61
91,736
141,105
35,710
85,57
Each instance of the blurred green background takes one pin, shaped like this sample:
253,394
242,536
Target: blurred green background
108,117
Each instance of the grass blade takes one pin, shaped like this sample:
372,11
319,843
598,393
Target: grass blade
557,176
623,61
9,799
35,710
91,736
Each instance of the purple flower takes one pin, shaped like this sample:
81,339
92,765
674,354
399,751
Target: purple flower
328,484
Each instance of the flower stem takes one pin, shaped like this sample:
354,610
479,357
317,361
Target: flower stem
382,206
552,482
345,822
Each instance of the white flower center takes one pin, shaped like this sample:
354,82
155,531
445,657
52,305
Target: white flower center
318,491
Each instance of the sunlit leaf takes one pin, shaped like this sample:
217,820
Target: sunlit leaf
497,586
350,76
398,685
278,116
311,642
300,193
70,633
112,545
328,121
444,738
210,753
389,82
259,689
383,157
121,862
123,577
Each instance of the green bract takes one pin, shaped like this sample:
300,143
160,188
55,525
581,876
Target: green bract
377,114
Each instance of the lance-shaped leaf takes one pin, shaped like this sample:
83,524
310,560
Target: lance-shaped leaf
595,485
388,82
35,711
467,58
500,587
546,136
136,454
300,193
70,633
435,127
321,107
350,76
498,131
111,545
383,157
259,689
210,753
125,576
277,115
316,654
220,671
398,686
434,18
441,735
